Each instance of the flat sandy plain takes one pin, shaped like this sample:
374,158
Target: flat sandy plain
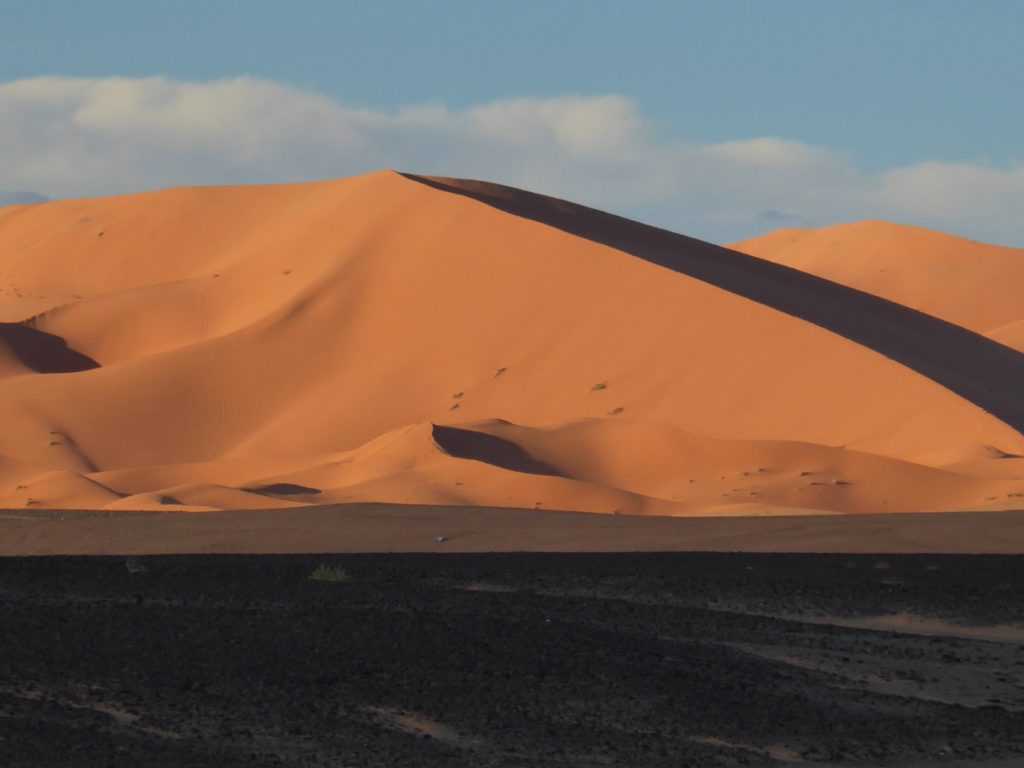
385,528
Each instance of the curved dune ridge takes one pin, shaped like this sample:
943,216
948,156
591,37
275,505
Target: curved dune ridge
400,339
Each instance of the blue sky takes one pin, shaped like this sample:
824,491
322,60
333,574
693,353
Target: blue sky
877,87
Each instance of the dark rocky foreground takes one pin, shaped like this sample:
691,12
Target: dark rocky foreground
511,660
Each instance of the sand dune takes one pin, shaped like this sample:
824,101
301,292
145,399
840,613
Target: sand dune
1011,334
960,360
965,282
599,465
397,339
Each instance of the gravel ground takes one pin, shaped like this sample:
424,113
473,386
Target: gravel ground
512,660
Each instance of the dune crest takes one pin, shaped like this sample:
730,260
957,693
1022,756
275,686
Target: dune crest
398,339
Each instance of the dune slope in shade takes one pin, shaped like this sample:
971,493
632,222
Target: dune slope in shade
965,282
381,339
30,350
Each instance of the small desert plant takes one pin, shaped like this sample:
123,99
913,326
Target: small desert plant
599,386
331,573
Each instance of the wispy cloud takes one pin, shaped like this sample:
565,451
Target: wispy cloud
65,137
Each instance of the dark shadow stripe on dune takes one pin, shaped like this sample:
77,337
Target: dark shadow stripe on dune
282,489
43,352
978,369
479,446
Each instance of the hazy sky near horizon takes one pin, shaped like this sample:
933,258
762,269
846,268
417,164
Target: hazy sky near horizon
721,118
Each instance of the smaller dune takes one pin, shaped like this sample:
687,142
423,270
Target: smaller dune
1011,334
603,465
942,275
55,489
199,498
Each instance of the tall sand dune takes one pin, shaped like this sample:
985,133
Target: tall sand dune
401,339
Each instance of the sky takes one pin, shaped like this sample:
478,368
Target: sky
722,119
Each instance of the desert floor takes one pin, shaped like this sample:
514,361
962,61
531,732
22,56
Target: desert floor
411,528
658,659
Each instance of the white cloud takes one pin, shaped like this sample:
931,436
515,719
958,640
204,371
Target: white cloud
69,137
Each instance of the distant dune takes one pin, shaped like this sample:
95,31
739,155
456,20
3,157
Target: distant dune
399,339
19,197
965,282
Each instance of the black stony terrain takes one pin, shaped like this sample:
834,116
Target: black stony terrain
509,660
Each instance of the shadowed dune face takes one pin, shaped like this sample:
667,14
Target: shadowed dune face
488,448
383,339
42,352
283,489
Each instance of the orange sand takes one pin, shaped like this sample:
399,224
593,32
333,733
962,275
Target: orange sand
968,283
385,338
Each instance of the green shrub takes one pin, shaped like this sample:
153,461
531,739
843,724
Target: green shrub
330,573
